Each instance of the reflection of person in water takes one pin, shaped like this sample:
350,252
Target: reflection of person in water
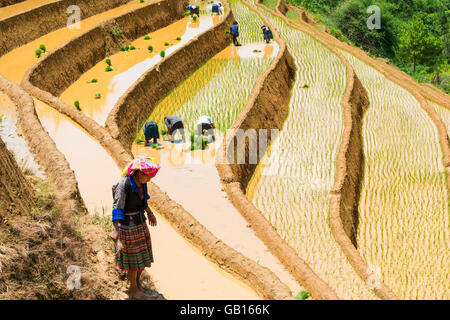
268,50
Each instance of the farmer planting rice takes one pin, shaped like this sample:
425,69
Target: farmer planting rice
150,129
205,125
234,30
217,7
193,9
174,124
267,33
130,201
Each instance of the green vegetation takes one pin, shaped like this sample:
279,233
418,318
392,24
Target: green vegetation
198,142
97,95
178,38
77,105
302,295
38,53
150,48
42,47
147,38
166,44
162,54
141,1
94,80
132,48
414,34
187,13
194,17
272,4
108,62
164,132
108,69
305,86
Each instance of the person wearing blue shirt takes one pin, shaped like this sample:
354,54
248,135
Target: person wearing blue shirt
234,30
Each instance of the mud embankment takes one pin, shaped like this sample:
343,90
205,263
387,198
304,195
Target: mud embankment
266,109
16,194
344,196
63,66
139,101
49,158
5,3
262,280
32,24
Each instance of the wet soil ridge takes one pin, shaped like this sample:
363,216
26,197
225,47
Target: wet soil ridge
32,24
49,158
5,3
16,194
344,196
261,279
139,100
63,66
267,108
420,93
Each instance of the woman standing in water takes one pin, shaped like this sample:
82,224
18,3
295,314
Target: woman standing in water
130,202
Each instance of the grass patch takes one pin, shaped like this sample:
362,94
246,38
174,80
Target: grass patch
147,38
93,80
178,38
150,48
38,53
76,103
302,295
162,54
166,44
108,69
108,62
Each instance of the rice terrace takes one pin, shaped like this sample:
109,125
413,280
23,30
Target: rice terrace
224,150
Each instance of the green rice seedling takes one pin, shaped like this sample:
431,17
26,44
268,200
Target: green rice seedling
194,17
227,31
147,38
166,44
304,168
164,132
123,48
256,50
108,69
162,54
38,53
302,295
139,140
108,62
141,1
77,105
93,80
187,13
150,48
155,146
403,222
178,38
42,47
305,86
132,48
97,95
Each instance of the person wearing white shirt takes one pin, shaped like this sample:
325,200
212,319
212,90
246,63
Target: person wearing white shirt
206,123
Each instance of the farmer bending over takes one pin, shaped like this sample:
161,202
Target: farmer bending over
217,8
174,124
267,33
193,9
150,129
206,123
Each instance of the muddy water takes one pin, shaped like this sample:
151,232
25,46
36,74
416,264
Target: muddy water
96,172
198,186
20,7
129,66
14,69
14,142
291,185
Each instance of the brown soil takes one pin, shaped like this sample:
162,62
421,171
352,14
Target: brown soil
34,256
32,24
261,279
5,3
268,108
139,100
63,66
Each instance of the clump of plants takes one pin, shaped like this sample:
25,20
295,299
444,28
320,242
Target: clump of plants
198,142
77,105
187,13
162,54
147,38
155,146
178,38
124,48
93,80
108,62
164,132
43,48
108,69
305,86
256,50
38,53
141,1
194,17
227,31
166,44
97,95
150,48
109,65
132,48
302,295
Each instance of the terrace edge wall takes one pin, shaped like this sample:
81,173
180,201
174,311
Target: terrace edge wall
138,102
55,165
64,65
344,196
267,108
5,3
263,281
34,23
